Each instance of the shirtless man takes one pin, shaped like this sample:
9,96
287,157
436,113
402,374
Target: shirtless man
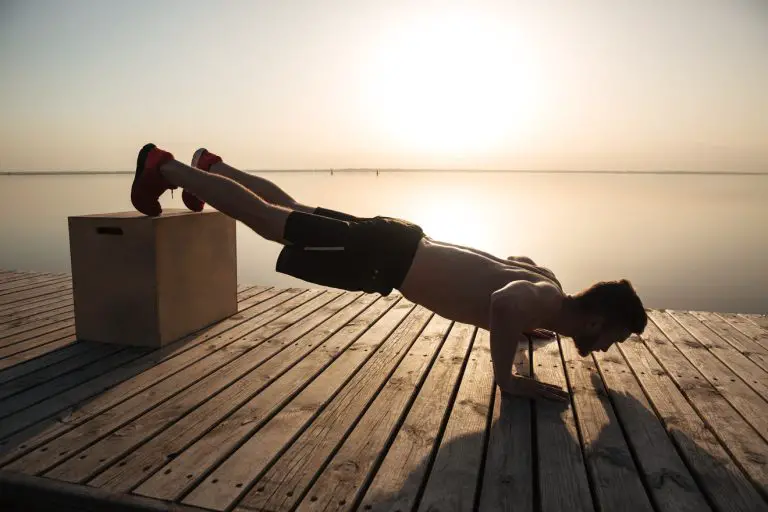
376,255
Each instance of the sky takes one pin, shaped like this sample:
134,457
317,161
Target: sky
301,84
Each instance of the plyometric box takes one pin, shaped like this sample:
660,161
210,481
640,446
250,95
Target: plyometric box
148,281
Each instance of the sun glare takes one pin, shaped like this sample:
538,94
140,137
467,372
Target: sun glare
453,85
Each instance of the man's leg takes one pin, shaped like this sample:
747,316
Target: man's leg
265,189
230,198
270,192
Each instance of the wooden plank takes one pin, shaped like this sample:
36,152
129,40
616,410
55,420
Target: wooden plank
509,468
8,343
217,432
142,373
731,387
227,387
669,481
49,359
397,480
95,426
67,381
748,328
28,493
63,330
41,291
6,287
454,479
615,478
759,320
737,436
35,296
562,473
736,339
271,436
283,483
12,275
13,313
39,318
96,352
747,370
31,354
338,486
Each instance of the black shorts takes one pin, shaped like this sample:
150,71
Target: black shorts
371,255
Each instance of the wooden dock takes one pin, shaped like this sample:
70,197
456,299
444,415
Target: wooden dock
323,400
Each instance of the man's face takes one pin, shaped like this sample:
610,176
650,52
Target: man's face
601,341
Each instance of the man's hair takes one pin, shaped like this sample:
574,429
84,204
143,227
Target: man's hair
615,301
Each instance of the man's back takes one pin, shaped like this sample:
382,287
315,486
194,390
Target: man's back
457,283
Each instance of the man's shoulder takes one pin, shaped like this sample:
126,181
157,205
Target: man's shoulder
526,295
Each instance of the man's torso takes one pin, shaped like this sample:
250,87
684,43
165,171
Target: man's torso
457,284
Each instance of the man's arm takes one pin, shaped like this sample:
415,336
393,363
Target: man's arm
514,309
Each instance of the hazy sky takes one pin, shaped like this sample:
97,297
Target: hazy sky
651,85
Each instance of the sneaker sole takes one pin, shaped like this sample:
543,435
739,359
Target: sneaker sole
140,161
196,157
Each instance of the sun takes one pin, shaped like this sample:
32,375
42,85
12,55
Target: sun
456,84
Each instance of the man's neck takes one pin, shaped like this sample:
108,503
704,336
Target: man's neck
564,320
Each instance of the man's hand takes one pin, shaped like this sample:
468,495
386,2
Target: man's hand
529,388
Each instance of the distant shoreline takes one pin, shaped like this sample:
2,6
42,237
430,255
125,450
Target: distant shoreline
381,171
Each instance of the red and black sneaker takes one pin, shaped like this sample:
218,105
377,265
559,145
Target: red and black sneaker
148,183
204,159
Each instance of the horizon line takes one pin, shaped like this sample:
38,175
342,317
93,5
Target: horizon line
400,170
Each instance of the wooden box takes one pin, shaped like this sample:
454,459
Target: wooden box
148,281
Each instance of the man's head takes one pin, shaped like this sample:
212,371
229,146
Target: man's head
607,313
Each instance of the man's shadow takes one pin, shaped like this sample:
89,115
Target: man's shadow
686,478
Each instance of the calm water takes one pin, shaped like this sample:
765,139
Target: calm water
692,242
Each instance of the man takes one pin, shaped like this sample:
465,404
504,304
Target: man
507,297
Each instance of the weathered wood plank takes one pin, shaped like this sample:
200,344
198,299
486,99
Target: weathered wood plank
22,383
454,479
757,319
748,327
157,365
26,282
34,353
62,383
731,387
283,484
15,313
737,436
736,339
49,359
29,493
749,371
22,305
12,275
45,317
218,432
86,432
615,477
509,469
39,291
227,387
397,480
669,481
63,330
29,337
270,437
563,482
339,484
